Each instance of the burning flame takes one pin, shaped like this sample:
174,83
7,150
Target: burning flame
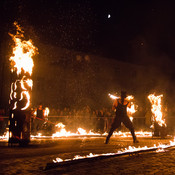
128,134
82,133
21,66
157,109
62,132
46,111
5,136
113,96
129,97
130,149
23,52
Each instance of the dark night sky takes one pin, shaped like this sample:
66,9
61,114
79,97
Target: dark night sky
137,31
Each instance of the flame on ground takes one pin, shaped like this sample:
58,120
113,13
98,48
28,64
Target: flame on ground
82,133
62,132
5,136
130,149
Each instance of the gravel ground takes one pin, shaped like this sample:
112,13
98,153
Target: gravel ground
34,158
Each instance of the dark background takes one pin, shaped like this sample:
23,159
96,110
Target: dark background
141,32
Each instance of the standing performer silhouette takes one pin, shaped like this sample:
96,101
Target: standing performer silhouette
120,107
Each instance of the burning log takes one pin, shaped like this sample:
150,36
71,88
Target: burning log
21,87
93,157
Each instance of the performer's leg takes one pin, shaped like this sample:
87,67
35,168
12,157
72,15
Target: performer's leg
115,125
127,122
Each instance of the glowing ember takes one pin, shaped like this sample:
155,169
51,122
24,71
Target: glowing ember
157,109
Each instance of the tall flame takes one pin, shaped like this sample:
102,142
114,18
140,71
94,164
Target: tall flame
46,112
157,109
21,67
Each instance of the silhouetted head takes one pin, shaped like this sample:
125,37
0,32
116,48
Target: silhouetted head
40,106
123,94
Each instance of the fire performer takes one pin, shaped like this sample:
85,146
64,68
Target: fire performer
120,107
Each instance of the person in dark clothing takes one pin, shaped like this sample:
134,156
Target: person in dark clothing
39,120
120,107
2,122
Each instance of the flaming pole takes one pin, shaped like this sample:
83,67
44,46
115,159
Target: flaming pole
159,124
21,70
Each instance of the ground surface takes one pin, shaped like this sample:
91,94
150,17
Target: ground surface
34,158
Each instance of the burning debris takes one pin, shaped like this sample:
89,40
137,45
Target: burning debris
21,87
